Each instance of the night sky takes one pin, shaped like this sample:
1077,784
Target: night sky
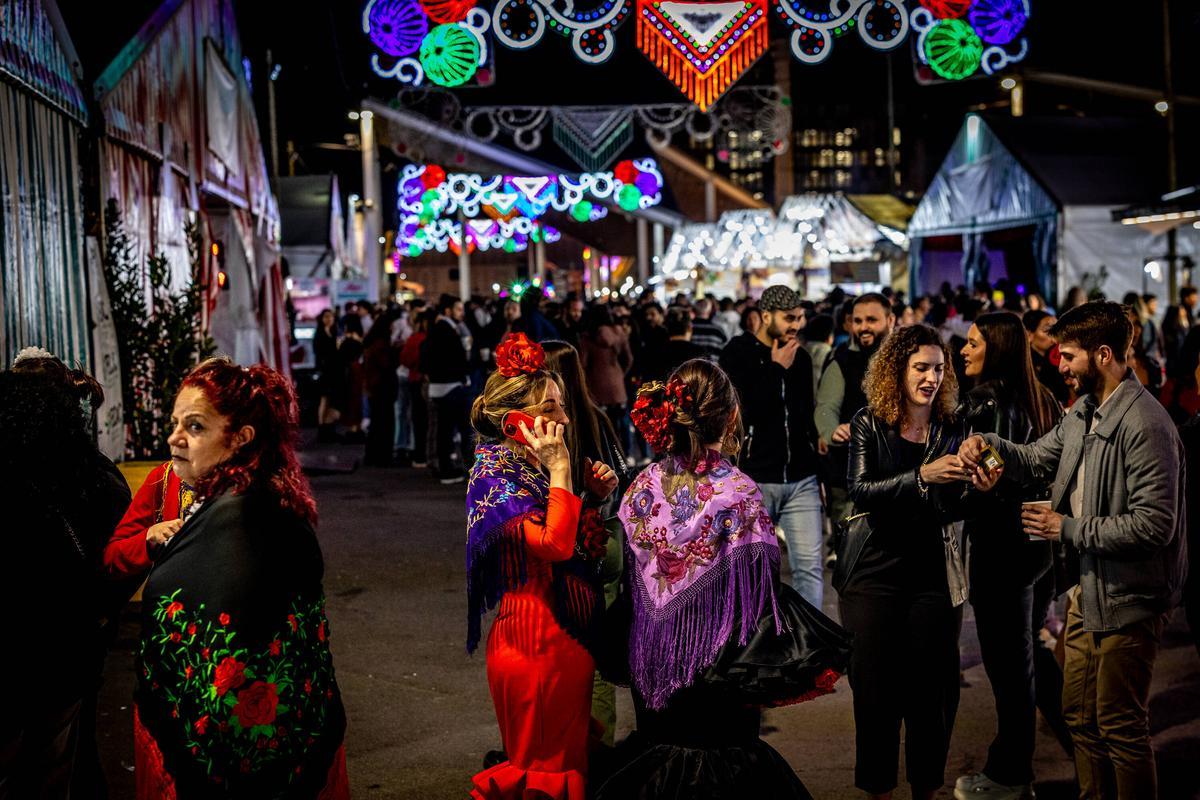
325,73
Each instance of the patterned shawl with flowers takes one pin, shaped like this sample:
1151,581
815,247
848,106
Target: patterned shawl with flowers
235,678
703,556
504,491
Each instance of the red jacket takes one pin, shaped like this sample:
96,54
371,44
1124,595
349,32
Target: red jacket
126,555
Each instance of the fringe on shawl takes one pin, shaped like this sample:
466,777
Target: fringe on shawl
668,647
495,565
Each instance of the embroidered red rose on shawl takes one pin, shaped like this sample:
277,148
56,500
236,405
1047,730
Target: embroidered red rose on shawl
229,674
256,704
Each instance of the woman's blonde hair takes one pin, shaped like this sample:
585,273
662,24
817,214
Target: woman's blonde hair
502,395
884,384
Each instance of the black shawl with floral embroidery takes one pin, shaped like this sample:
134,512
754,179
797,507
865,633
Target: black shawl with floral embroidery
235,677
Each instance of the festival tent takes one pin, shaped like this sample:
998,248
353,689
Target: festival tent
817,240
1032,200
181,147
44,283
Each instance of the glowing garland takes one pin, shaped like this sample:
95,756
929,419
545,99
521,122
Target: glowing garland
881,24
743,110
520,24
427,191
957,38
416,52
446,235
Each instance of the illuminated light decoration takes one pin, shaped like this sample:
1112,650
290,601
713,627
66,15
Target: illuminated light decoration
450,55
998,21
702,47
446,235
881,24
953,49
521,24
500,196
379,24
947,9
433,177
994,41
581,211
629,198
742,110
593,137
397,27
445,11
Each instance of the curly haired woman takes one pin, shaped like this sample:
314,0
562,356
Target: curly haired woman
532,553
900,571
236,693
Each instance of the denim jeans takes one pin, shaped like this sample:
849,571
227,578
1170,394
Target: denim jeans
796,507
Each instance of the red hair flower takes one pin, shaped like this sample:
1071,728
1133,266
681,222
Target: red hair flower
680,395
652,414
517,355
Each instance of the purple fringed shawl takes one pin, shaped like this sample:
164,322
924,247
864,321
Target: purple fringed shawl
703,557
503,492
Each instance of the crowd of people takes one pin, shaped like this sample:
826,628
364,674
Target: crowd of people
637,476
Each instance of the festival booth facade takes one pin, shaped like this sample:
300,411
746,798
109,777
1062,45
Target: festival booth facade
181,147
1031,201
44,281
815,242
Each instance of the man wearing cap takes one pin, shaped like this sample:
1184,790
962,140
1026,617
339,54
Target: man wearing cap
773,375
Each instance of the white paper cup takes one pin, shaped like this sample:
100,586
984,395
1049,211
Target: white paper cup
1043,504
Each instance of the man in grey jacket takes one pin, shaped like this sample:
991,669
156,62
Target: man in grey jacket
1117,504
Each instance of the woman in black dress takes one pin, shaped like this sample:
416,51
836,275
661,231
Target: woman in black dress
900,572
1012,584
325,349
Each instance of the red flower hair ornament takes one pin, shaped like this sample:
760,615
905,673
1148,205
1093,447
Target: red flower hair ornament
654,411
518,355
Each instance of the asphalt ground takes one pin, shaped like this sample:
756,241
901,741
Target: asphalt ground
421,719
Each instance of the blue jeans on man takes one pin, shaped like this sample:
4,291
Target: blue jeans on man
796,508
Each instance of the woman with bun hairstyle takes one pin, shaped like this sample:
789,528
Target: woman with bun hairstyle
715,637
236,693
535,556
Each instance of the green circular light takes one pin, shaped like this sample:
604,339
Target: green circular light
450,55
953,49
510,246
582,211
629,197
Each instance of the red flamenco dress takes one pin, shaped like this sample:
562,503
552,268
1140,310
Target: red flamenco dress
236,693
522,557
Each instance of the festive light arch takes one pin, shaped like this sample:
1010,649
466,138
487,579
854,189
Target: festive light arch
957,38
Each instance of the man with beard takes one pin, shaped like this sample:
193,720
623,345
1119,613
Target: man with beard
840,395
1117,505
772,373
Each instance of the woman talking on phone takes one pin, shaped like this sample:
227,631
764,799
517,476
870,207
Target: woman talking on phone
900,573
529,555
1011,580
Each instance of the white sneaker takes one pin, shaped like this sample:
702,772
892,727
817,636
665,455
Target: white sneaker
980,786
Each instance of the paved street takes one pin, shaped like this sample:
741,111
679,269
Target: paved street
420,718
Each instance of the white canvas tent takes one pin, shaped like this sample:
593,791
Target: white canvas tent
1031,200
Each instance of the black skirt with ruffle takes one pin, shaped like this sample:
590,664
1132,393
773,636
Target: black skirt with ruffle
705,743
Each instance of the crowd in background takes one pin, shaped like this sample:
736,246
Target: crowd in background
428,361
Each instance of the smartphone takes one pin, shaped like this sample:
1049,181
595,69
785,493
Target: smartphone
509,426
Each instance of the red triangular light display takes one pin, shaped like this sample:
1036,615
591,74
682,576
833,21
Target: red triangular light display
702,47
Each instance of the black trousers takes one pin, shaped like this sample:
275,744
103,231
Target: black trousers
903,669
420,421
1011,591
381,436
452,415
37,753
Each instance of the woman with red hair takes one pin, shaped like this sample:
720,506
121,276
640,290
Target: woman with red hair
236,693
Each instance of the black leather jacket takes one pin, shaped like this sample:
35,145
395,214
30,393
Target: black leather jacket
885,496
